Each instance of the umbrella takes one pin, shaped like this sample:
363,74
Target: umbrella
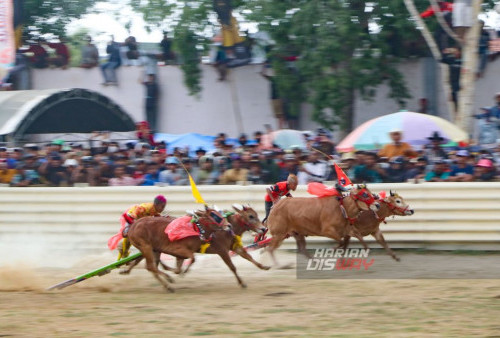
416,128
289,138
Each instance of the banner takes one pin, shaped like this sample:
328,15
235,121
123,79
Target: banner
7,46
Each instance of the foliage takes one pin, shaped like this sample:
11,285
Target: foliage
52,16
75,43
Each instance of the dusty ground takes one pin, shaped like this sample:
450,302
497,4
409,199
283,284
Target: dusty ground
209,302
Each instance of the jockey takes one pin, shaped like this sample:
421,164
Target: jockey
275,192
130,216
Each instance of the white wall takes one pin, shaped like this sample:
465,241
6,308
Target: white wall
59,226
245,96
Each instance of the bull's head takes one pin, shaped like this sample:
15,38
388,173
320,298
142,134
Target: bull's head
397,204
249,218
212,219
365,198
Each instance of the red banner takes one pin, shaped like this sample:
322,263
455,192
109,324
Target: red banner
7,46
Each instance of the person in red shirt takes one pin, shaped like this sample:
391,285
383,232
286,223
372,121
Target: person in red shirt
445,7
39,54
275,192
61,59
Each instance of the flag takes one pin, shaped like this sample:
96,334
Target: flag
341,176
194,189
7,43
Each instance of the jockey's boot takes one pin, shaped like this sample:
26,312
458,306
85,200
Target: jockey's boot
124,251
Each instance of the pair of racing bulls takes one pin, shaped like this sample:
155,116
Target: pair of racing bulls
357,213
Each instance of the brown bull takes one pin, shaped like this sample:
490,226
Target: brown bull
368,222
148,236
329,216
245,219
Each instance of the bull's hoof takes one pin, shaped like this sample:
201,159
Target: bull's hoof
243,285
285,266
264,267
170,290
397,259
124,272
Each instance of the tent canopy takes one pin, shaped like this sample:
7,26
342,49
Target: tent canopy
55,111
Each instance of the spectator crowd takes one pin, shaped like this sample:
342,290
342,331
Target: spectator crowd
104,162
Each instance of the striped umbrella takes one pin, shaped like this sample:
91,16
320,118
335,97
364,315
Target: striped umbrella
416,128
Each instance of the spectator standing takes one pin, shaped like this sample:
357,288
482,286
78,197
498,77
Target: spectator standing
114,61
221,62
397,147
484,42
452,57
151,101
166,48
434,150
90,54
314,170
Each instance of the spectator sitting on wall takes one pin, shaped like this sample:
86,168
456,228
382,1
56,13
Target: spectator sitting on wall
462,171
114,61
40,55
440,172
62,55
151,101
90,54
397,147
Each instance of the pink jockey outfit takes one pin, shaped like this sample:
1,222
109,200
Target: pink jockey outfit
130,216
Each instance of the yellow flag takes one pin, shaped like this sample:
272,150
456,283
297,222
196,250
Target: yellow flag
196,193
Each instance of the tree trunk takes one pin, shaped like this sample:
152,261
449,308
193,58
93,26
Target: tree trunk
468,72
436,53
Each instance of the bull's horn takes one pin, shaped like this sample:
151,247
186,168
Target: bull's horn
390,191
237,207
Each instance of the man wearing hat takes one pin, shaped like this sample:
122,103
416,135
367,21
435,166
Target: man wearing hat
173,174
397,147
485,170
434,149
462,171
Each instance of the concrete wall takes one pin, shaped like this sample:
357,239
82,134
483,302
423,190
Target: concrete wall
59,226
242,104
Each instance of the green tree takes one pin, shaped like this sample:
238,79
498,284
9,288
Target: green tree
52,16
344,47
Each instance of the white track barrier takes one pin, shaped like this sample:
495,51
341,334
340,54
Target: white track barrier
46,224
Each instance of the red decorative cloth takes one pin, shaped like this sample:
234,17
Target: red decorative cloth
321,190
181,228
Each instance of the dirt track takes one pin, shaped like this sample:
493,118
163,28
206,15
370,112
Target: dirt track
209,302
